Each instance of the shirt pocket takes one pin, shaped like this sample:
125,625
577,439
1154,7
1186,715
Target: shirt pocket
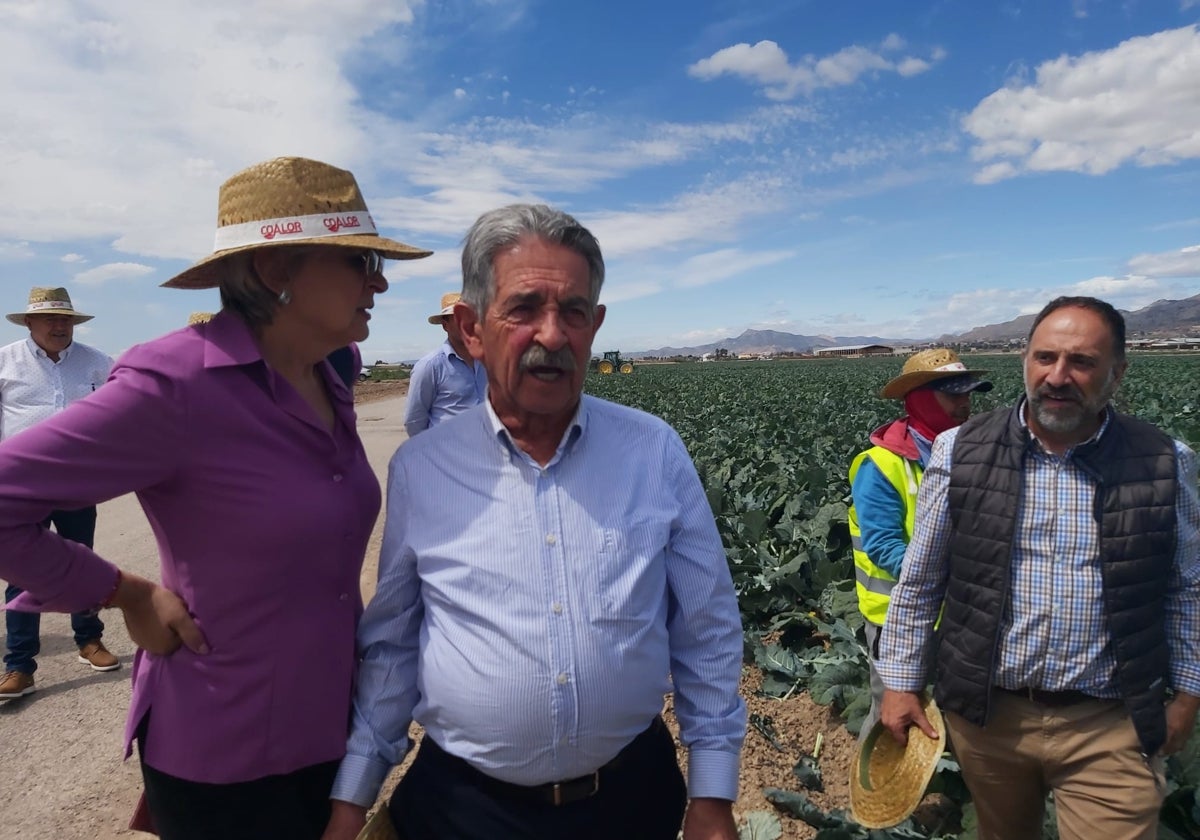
630,570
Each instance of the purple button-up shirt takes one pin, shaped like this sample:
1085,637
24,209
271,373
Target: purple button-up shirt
262,516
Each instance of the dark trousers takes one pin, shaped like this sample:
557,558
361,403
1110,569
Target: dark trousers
292,806
442,798
24,629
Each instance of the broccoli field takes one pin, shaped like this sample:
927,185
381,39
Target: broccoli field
772,442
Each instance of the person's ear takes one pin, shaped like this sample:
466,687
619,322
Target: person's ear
471,327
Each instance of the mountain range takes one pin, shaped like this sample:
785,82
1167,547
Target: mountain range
1163,317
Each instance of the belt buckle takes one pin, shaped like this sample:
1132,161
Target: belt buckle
558,790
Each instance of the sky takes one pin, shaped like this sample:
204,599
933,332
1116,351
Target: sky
851,168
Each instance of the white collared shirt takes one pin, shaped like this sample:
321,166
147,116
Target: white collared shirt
33,386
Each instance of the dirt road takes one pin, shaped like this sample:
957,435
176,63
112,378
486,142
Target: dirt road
61,774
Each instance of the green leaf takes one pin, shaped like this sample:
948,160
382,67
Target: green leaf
760,825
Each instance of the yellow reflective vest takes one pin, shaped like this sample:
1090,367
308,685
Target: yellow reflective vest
873,584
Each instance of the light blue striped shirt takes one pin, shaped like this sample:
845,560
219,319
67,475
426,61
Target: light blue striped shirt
442,384
1053,635
531,619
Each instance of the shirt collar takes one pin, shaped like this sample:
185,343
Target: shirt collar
448,350
575,430
229,342
41,354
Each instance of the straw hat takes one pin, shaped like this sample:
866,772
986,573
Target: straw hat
44,301
887,781
928,366
379,827
199,318
290,201
448,301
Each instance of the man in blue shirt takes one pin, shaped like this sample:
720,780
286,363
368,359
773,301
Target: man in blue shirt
550,569
445,382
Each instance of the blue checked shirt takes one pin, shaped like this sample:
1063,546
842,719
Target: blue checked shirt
1053,635
532,618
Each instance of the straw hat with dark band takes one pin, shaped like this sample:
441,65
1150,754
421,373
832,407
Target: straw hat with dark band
45,301
290,201
928,366
887,781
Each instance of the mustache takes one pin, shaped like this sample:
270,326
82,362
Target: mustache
1066,392
538,356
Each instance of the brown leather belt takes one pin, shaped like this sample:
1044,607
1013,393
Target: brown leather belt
551,793
1049,698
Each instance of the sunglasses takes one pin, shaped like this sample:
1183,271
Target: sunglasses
369,263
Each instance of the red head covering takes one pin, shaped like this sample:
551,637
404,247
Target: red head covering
925,413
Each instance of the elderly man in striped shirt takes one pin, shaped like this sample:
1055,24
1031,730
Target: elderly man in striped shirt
550,568
1064,540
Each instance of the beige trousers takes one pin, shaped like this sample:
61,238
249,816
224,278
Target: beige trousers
1087,754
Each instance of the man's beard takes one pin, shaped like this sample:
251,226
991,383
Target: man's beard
1073,416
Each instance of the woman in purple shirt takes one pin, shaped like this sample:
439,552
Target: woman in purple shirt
240,442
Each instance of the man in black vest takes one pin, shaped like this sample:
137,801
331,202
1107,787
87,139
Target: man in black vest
1064,540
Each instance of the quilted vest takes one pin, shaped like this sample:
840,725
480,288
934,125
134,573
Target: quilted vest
1133,467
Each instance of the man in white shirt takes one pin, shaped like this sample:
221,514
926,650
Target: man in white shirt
40,376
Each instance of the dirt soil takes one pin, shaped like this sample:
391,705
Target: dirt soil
369,392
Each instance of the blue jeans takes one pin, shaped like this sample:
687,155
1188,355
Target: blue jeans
24,629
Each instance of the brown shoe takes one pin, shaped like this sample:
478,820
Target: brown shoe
94,653
16,684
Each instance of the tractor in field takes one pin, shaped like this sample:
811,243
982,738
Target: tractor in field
612,362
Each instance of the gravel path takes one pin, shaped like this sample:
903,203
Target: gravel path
61,773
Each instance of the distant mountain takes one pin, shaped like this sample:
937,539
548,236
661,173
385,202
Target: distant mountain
1163,317
771,341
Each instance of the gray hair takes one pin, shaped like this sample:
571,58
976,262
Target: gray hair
499,229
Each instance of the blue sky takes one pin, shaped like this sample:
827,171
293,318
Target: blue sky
902,169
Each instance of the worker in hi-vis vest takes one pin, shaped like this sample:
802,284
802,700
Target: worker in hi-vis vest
936,389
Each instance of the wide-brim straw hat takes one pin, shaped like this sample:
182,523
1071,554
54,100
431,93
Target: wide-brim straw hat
47,301
448,301
925,367
379,827
887,781
290,201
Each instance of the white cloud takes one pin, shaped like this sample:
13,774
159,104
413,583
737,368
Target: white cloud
714,266
134,109
459,93
1182,263
112,271
768,64
1138,102
15,250
73,258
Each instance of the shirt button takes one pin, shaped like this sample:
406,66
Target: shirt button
337,476
557,608
551,539
563,678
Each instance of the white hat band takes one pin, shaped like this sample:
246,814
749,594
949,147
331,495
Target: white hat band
50,304
951,366
293,227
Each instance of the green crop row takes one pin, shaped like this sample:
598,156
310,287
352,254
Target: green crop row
772,442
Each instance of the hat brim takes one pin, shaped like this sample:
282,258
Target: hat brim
885,792
18,318
207,273
906,382
437,319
